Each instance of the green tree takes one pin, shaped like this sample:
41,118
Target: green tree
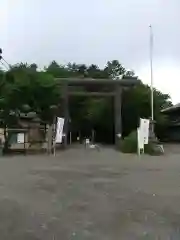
24,88
114,69
95,72
136,103
129,73
56,70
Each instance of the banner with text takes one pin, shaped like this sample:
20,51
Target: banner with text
142,134
144,128
59,130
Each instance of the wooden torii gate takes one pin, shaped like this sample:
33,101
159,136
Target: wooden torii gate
107,88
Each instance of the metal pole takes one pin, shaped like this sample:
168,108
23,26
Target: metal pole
151,67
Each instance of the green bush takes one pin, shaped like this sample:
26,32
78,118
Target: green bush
153,149
129,145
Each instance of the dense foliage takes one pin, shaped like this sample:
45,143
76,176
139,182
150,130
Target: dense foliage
24,88
129,145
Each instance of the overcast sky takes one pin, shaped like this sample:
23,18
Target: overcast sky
95,31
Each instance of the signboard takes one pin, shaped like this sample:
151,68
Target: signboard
144,128
59,130
20,138
143,134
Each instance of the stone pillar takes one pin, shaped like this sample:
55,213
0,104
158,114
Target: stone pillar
66,113
117,115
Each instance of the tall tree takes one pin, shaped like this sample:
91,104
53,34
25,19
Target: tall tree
114,69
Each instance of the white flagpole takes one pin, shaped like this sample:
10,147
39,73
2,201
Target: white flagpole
151,68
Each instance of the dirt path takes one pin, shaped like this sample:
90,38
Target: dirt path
90,195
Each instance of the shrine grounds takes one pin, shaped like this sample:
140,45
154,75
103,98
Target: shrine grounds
89,194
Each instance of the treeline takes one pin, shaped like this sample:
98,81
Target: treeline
24,88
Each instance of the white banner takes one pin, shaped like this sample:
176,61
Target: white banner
20,138
142,134
144,129
59,130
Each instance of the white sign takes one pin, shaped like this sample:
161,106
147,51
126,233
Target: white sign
59,130
87,141
20,137
144,128
142,134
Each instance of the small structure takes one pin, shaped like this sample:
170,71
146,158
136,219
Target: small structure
29,134
172,132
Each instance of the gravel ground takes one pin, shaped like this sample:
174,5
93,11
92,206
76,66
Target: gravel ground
86,194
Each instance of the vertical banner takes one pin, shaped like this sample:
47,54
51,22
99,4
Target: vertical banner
143,134
59,130
144,128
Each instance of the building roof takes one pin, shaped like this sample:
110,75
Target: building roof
171,109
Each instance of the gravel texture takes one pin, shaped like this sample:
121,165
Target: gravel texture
89,194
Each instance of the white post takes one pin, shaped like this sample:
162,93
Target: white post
151,69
